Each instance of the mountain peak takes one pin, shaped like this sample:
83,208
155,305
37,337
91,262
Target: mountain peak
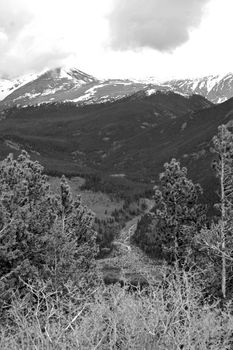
53,85
216,88
69,84
80,75
70,74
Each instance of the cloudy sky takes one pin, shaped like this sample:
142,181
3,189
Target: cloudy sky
117,38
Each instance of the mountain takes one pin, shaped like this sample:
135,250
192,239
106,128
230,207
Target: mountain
7,86
52,85
133,136
215,88
70,85
73,85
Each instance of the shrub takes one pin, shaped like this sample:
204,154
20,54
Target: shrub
170,315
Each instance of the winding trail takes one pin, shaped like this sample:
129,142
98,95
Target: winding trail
129,229
127,261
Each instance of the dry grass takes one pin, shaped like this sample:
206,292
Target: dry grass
167,316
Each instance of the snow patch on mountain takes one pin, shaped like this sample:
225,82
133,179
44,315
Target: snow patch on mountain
150,92
7,86
27,95
222,99
84,97
71,84
148,80
216,88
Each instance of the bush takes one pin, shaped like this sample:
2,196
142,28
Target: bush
170,315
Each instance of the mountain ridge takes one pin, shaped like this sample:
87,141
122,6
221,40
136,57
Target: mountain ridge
72,85
111,137
216,88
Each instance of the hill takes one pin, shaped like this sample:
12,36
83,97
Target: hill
128,140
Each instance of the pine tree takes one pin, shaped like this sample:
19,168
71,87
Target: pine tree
42,235
177,207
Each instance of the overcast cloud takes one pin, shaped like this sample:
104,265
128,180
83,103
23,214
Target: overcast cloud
29,39
117,38
159,24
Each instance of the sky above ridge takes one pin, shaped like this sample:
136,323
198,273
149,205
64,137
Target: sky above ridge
117,38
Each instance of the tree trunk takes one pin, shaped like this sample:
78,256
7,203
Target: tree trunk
223,238
223,260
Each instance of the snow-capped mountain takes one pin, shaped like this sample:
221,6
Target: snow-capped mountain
7,86
216,88
73,85
63,85
52,85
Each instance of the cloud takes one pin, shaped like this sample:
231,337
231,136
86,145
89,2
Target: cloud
17,63
28,41
14,15
158,24
40,34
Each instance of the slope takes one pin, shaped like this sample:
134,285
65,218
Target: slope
216,88
130,138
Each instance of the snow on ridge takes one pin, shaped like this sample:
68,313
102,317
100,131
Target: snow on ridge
195,84
65,75
150,92
221,99
182,93
70,79
201,85
5,88
89,93
52,90
206,86
149,80
8,86
212,81
27,95
84,97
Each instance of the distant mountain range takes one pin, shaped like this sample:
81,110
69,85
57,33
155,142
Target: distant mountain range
66,85
216,88
74,123
130,138
73,85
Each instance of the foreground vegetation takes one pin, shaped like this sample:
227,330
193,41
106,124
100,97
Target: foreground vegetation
171,315
52,290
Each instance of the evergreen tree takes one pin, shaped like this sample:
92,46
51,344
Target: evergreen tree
42,235
177,214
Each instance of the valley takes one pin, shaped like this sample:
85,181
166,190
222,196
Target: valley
113,150
120,144
116,175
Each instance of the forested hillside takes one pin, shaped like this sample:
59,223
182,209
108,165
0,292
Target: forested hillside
54,294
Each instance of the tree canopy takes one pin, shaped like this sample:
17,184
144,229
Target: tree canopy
42,235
